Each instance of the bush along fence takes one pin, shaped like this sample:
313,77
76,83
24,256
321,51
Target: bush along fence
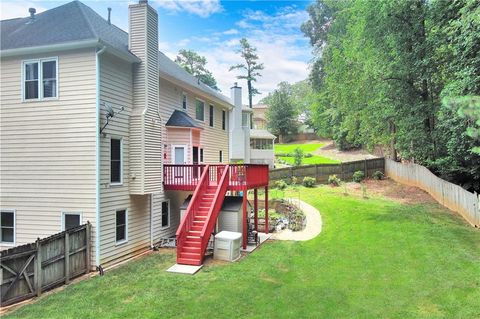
449,195
28,270
321,172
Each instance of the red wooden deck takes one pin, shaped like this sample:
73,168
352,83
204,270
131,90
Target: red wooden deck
210,183
240,176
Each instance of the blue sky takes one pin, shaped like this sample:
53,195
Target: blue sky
213,28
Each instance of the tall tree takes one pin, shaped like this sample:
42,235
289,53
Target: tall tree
196,65
251,67
381,71
281,112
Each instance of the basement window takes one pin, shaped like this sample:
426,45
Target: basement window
71,220
40,79
165,214
121,226
7,229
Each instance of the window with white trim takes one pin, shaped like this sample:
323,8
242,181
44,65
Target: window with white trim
220,156
224,120
71,220
116,160
7,229
200,110
40,79
211,110
184,101
121,226
165,214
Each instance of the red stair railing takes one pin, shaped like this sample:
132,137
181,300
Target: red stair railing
214,211
192,207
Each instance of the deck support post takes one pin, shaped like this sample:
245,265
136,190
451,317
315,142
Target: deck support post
266,209
255,208
245,230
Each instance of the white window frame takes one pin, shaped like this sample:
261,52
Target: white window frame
123,241
184,94
7,243
220,156
185,155
70,213
40,79
113,137
203,101
169,214
211,117
224,120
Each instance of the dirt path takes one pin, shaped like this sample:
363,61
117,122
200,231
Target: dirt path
313,225
330,151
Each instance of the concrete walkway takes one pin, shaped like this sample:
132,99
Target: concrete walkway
313,225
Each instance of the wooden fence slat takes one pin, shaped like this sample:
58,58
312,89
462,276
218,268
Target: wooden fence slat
33,268
447,194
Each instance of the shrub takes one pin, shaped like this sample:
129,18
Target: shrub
309,181
298,156
334,180
378,175
294,180
280,184
358,176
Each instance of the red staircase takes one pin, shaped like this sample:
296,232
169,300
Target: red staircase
200,218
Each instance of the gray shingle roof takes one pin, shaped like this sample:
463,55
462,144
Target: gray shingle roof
73,22
181,119
70,22
172,69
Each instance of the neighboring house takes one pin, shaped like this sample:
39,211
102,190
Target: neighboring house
259,116
67,75
248,142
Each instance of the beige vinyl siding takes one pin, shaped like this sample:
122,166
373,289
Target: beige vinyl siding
176,198
178,136
48,147
212,139
116,89
146,153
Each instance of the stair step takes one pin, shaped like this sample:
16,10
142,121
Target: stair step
194,233
194,238
192,244
197,228
186,261
189,255
191,249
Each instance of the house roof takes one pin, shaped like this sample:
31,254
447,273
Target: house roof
261,134
172,69
74,22
260,106
71,22
181,119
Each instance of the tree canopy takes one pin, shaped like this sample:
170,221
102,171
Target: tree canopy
381,71
251,67
281,112
196,65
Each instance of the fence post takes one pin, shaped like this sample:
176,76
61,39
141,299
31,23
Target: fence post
38,268
67,257
365,168
87,247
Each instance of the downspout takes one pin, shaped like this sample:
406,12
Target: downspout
151,221
97,157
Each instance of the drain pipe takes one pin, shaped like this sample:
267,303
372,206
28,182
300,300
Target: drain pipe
97,159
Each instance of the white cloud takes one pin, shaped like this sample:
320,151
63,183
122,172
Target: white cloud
202,8
231,32
17,9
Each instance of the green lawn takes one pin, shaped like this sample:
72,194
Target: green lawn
374,259
315,159
289,148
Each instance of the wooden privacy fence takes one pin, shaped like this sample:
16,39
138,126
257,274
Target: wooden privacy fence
28,270
449,195
322,171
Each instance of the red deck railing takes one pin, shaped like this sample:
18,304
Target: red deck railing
187,221
240,176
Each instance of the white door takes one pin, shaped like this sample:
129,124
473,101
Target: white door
179,155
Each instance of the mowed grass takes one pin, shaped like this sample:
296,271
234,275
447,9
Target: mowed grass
315,159
289,148
374,259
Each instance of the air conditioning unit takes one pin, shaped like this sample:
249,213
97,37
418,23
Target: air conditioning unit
227,246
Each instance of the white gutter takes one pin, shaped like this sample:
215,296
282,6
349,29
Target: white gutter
71,46
97,156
